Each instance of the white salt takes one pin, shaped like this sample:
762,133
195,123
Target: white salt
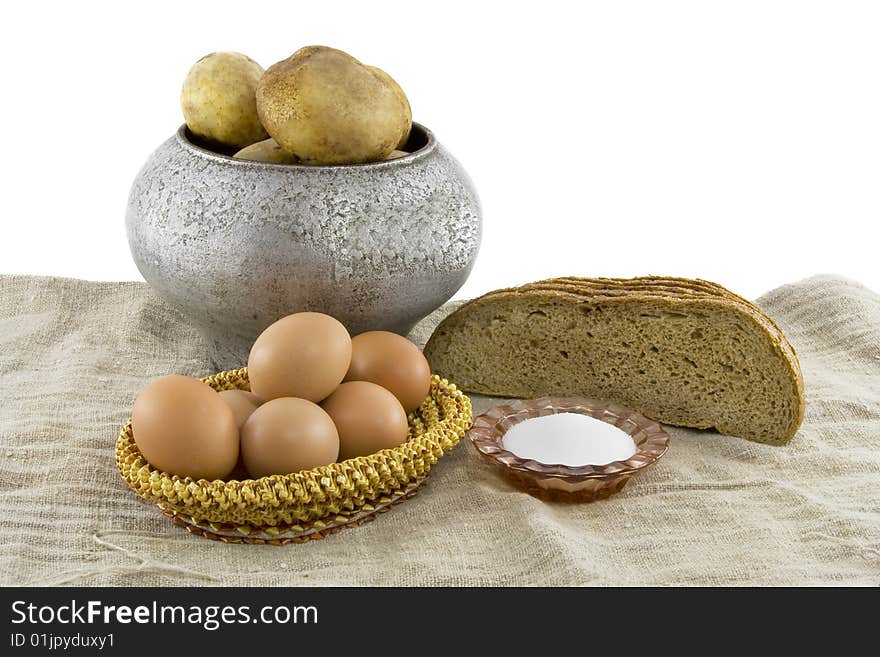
569,439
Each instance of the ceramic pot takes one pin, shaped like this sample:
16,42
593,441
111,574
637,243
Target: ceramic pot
235,245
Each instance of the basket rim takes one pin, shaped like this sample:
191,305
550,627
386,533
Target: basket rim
327,470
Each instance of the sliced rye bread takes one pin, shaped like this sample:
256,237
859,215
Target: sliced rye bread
683,352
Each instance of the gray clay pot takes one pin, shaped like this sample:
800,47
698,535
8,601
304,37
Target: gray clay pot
234,244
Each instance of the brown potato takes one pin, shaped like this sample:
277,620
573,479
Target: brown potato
326,107
400,94
219,99
267,150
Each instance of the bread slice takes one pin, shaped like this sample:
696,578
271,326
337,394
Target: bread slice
683,352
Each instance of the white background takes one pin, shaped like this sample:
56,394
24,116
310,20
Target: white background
734,141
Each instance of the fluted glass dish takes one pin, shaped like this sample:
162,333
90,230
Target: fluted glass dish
566,483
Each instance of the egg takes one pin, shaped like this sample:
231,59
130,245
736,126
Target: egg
393,362
241,402
305,355
183,427
287,435
368,418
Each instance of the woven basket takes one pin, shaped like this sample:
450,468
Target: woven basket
311,496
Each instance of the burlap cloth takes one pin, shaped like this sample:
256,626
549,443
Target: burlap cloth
714,510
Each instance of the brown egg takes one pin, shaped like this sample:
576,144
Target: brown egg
183,427
242,403
287,435
392,362
305,355
368,418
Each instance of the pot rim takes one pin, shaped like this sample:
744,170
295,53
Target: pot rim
187,144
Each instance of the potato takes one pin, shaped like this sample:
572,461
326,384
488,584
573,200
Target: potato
267,150
393,155
219,102
326,107
400,93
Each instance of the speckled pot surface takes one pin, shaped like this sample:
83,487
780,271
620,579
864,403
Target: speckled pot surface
235,245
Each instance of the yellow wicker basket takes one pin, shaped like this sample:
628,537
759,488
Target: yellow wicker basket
306,502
